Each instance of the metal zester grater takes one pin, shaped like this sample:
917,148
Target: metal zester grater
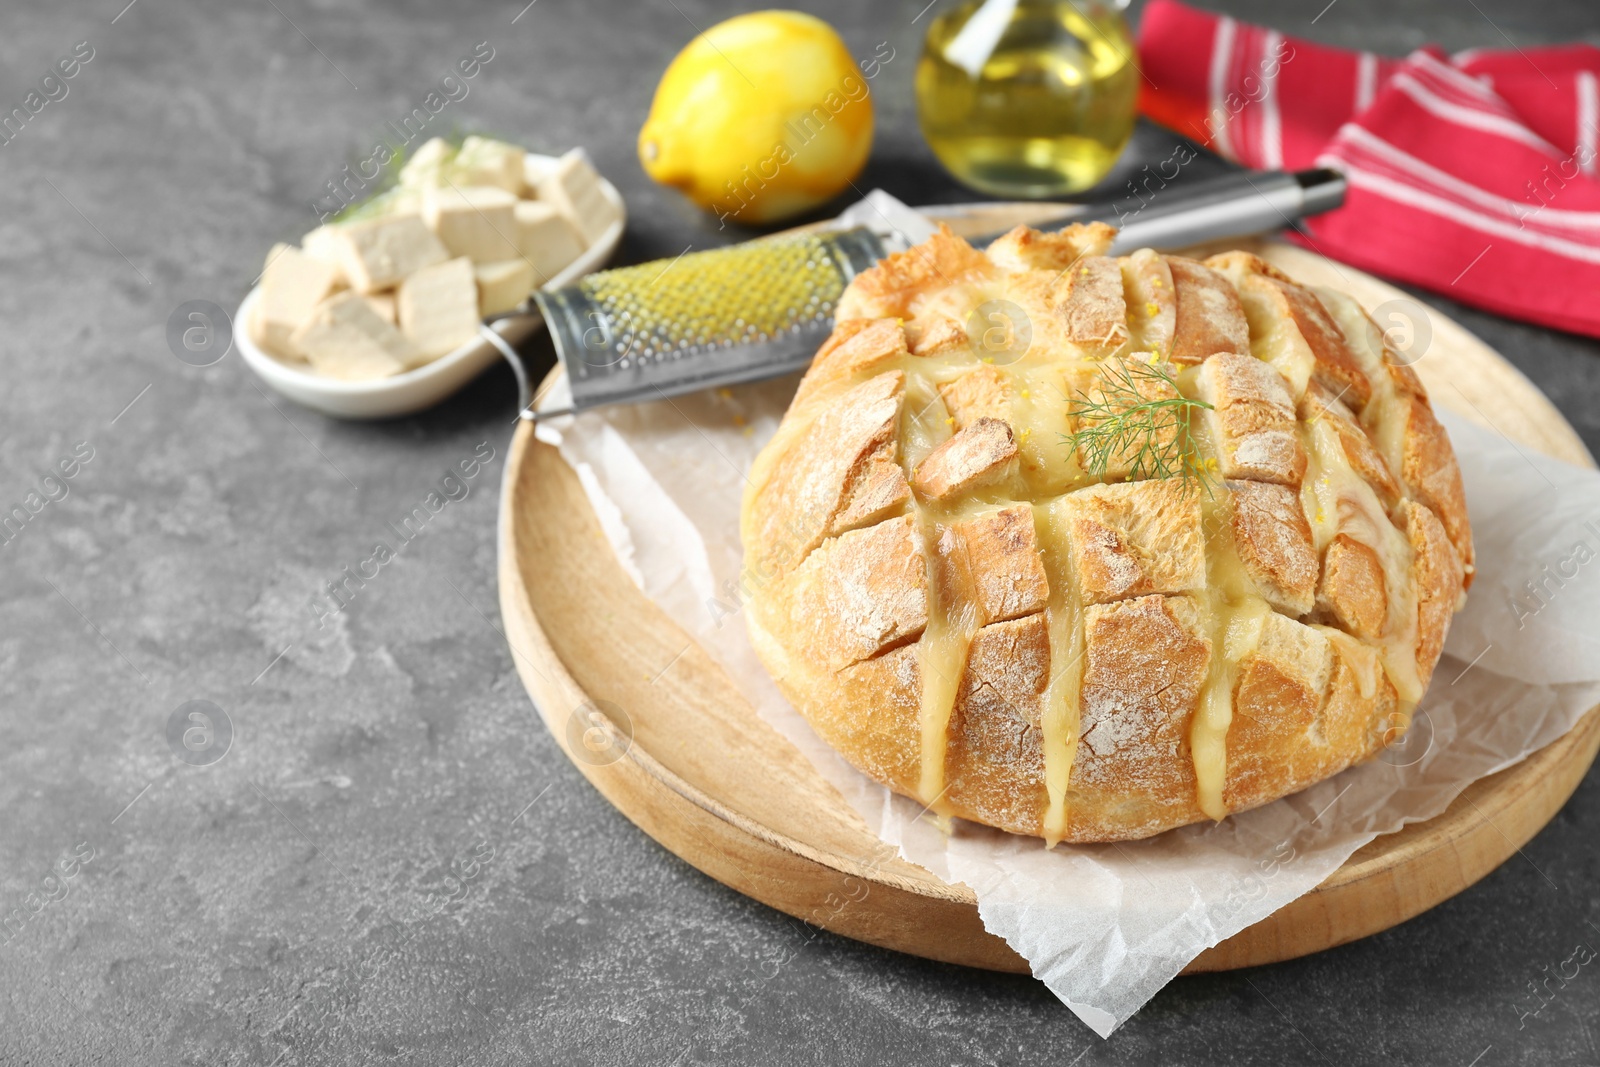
761,309
737,314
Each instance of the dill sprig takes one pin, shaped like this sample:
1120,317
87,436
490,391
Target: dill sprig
1148,428
384,189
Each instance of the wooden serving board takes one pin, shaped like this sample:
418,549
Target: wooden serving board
707,778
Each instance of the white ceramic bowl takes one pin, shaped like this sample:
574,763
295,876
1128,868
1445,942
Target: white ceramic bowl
402,394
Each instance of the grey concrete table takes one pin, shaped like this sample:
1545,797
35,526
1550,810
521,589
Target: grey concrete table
393,862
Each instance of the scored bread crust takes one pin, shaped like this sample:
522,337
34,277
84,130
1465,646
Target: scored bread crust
971,617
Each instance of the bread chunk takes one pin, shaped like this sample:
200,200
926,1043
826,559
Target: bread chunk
978,454
874,733
1116,387
992,561
983,392
1253,420
1277,702
1293,330
1437,581
1144,665
1319,405
1337,369
1361,706
1000,759
1152,303
1025,249
808,495
1209,318
1238,266
862,593
1273,539
890,289
867,346
1354,593
1134,539
1091,306
941,336
1430,472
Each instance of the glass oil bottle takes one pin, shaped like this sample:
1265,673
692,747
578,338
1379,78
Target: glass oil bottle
1028,98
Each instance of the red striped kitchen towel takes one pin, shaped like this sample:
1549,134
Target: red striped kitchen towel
1473,175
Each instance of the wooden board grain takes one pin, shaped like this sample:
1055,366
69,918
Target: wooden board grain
693,765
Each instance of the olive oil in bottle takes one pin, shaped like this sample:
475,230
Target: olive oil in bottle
1028,98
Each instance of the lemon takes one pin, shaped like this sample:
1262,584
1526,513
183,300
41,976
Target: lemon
760,118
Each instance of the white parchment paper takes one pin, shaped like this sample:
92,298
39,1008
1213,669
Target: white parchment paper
1106,926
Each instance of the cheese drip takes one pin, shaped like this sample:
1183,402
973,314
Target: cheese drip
1046,467
1384,419
1060,723
1337,500
1039,404
1235,613
941,661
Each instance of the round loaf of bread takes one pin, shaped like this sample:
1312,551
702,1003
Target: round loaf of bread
1089,547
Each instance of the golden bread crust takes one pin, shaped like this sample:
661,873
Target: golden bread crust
1209,317
1026,249
860,594
1437,579
983,392
1131,539
992,560
1281,690
1091,305
1273,542
1429,469
976,455
1319,404
970,616
1000,758
1253,419
894,288
1145,663
1354,593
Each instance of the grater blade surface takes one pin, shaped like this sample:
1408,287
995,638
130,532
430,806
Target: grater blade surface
743,313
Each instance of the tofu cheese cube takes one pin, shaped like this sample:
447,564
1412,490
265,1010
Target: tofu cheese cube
476,221
533,172
292,285
422,170
376,253
483,161
503,286
323,243
547,240
438,307
573,188
383,304
345,338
